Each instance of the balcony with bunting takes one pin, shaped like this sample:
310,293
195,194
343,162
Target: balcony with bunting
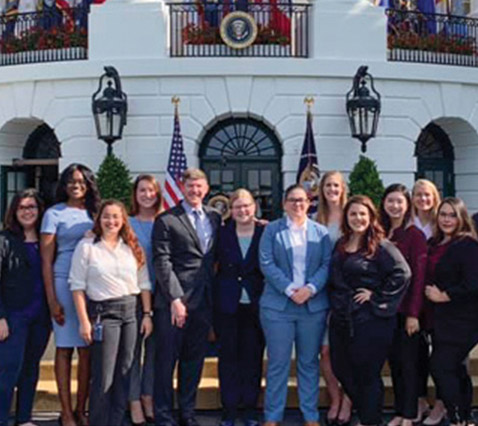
423,31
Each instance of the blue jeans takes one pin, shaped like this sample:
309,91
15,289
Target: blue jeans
20,356
112,359
282,329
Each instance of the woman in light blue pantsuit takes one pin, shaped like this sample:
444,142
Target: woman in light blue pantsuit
294,256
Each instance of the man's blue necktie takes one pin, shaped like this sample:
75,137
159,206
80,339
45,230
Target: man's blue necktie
200,231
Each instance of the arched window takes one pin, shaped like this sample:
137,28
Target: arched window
435,158
244,153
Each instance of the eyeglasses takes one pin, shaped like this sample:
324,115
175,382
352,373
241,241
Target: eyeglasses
74,182
444,215
242,206
297,200
30,207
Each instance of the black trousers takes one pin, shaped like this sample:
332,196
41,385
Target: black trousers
404,366
453,341
358,353
241,349
112,360
425,348
187,347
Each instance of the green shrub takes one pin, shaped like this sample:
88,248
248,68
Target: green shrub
365,180
114,180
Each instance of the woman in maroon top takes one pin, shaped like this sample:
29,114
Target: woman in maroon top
452,286
395,212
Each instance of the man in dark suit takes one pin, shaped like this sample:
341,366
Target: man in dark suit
184,240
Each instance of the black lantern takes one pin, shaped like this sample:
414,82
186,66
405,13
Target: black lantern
363,107
109,108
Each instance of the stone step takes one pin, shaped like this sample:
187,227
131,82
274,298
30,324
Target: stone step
47,371
208,397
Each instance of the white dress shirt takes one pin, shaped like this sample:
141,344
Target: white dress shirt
298,240
106,273
426,229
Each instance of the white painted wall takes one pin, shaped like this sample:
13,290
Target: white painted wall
272,90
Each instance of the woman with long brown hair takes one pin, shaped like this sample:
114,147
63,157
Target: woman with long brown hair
110,269
368,276
146,204
452,286
332,199
24,318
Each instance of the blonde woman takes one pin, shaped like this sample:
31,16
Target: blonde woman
425,202
238,287
332,199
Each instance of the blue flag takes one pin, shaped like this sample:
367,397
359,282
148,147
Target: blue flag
308,174
427,7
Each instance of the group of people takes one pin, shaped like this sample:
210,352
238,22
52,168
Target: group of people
139,295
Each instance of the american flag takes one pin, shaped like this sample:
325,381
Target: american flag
177,164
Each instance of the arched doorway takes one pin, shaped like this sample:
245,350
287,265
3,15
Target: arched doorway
435,159
244,153
38,167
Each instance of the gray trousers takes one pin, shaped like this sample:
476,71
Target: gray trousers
112,359
142,375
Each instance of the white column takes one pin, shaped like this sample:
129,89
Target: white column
349,29
128,29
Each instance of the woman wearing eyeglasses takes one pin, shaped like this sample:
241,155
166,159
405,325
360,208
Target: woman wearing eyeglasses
452,286
294,256
24,320
238,287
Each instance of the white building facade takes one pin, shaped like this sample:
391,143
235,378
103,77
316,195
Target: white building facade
428,123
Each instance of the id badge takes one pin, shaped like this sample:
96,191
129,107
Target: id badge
98,330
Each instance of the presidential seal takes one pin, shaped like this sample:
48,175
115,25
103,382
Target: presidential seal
310,180
220,203
238,30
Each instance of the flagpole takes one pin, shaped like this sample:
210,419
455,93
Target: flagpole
309,102
176,100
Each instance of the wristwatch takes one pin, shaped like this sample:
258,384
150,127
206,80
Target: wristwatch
148,314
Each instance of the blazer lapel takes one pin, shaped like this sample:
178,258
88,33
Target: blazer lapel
183,217
214,226
310,244
285,236
250,250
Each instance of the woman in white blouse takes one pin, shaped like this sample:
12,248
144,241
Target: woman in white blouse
110,272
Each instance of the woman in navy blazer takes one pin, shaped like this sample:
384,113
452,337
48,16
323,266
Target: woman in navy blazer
294,256
238,287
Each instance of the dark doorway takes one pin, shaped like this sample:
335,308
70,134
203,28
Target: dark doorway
244,153
37,169
435,159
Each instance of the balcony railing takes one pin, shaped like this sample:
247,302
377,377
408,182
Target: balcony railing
282,29
432,38
46,36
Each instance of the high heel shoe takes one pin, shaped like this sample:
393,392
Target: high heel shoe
133,423
435,422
